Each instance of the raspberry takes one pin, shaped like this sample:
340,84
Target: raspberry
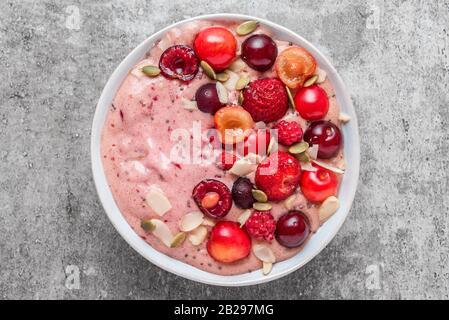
278,176
266,100
179,62
289,133
261,225
224,203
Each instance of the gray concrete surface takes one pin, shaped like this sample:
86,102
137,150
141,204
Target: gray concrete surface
55,57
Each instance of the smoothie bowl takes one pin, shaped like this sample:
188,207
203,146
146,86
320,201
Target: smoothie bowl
225,150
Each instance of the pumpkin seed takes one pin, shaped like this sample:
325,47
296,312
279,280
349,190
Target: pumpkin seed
247,27
147,225
311,81
299,148
260,196
290,97
223,76
178,240
208,70
242,83
240,101
259,206
303,157
151,71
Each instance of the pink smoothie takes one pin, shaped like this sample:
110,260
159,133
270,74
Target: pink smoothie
136,150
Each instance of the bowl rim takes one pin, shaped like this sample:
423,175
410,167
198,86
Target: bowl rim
157,258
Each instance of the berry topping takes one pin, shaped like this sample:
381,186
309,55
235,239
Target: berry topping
261,225
233,124
319,185
207,98
292,229
327,136
205,195
259,52
266,100
294,66
226,160
257,143
217,46
179,62
242,193
312,103
278,176
228,242
289,133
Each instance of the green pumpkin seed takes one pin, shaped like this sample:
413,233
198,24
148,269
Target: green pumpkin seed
303,157
262,206
147,225
247,27
299,148
151,71
240,101
290,97
311,81
222,77
260,196
208,70
242,83
178,240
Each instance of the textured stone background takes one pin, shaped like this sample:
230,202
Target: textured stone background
55,57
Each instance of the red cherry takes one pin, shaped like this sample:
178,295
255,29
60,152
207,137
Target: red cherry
319,185
257,143
292,229
217,46
327,136
228,242
312,103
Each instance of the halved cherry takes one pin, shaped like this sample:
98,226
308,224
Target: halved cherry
233,124
294,66
179,62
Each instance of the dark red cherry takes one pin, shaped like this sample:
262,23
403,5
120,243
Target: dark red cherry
207,98
292,229
259,52
327,136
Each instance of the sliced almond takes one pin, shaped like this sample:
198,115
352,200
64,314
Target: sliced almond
197,236
322,75
162,232
259,206
223,94
158,201
247,27
299,148
244,217
243,167
344,118
242,83
264,253
238,66
311,81
208,222
329,167
328,208
307,166
189,105
289,203
178,240
290,97
191,221
266,268
232,81
273,146
313,151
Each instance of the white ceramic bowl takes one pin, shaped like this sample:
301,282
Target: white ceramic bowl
317,243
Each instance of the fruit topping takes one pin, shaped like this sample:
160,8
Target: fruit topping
259,52
226,160
207,98
289,133
233,123
197,236
247,27
319,185
265,99
328,208
228,243
217,46
257,143
179,62
158,201
242,193
312,103
224,204
261,225
294,66
327,136
292,229
278,176
191,221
